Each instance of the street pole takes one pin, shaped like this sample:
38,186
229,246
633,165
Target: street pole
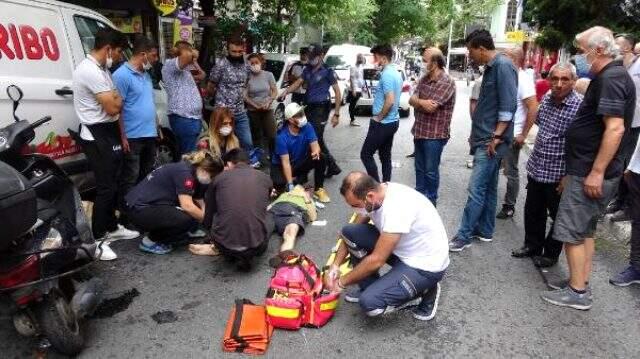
449,46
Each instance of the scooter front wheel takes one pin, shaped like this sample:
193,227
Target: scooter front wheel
59,324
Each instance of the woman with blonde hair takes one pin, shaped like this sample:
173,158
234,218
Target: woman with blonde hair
168,203
222,138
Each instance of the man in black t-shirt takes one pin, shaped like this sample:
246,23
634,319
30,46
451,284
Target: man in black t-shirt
594,161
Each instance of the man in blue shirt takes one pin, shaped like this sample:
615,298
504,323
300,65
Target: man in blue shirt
139,127
296,153
384,124
318,79
491,136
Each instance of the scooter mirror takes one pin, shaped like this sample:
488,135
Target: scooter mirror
15,94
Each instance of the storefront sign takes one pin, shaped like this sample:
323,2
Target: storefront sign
165,7
183,27
515,36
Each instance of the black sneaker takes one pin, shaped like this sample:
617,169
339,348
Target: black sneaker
506,212
427,309
333,171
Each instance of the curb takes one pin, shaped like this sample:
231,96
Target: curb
613,231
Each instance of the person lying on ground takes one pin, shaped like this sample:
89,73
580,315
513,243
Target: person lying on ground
291,212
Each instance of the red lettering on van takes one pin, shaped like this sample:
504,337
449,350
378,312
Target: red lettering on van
16,41
4,44
23,41
30,41
50,44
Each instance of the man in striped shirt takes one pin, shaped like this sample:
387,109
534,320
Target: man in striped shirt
546,166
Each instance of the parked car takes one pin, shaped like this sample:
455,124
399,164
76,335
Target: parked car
279,65
52,39
371,76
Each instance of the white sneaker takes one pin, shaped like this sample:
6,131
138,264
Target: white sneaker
198,233
121,233
105,252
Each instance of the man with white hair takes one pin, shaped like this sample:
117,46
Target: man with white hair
594,161
546,166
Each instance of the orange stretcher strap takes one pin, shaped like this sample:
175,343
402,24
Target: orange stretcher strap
247,330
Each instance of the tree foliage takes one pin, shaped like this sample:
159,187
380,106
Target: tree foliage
561,20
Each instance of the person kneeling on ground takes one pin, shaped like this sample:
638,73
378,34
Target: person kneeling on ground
236,212
407,234
168,202
291,211
297,152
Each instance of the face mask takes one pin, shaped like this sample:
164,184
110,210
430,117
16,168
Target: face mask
146,66
225,130
256,68
583,67
236,59
314,62
203,178
109,60
302,122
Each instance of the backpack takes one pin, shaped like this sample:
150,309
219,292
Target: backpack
296,298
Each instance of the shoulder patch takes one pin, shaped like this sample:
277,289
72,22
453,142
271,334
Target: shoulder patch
189,183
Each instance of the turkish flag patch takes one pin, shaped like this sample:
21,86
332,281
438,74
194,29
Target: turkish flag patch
188,183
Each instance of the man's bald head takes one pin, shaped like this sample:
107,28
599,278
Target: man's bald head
434,55
358,184
515,54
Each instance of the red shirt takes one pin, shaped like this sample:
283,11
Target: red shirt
542,87
435,125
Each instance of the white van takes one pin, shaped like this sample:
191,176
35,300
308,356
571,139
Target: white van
41,42
340,58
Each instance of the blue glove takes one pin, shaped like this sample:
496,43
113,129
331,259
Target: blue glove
290,187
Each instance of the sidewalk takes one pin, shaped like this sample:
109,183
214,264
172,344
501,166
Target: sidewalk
614,231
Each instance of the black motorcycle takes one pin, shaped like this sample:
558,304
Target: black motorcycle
46,243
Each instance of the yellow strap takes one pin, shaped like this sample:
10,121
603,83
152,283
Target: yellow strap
288,313
329,305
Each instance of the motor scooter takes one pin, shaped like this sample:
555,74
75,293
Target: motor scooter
46,244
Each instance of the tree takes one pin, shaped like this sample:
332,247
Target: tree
560,20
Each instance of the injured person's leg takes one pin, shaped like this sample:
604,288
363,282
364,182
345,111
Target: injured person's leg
289,237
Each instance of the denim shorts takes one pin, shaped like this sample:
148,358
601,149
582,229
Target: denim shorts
578,214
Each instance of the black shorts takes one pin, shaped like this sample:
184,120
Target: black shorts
285,214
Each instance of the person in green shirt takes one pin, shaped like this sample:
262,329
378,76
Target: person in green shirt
291,211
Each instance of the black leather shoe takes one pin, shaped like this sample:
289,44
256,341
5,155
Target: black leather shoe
523,252
333,171
544,262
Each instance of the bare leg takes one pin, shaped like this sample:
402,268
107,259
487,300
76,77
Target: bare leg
289,237
590,249
576,258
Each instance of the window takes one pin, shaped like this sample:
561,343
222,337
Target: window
512,14
275,67
87,29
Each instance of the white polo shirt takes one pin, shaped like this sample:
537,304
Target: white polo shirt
423,239
526,89
90,79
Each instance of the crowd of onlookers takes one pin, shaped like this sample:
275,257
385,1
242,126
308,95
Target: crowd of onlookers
586,112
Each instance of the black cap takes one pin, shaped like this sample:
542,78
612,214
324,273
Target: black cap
315,50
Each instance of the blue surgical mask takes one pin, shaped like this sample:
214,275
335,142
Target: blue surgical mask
314,62
583,67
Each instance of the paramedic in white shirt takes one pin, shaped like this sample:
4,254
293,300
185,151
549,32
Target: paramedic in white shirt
407,234
97,104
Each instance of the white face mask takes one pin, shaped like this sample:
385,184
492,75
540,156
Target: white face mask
256,68
203,178
109,61
225,130
302,122
146,66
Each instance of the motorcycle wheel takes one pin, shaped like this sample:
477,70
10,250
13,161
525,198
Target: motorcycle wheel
58,323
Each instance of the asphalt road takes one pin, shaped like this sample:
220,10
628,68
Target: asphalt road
490,306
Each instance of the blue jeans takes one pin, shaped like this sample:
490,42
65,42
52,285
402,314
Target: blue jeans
479,216
398,286
243,130
427,162
187,131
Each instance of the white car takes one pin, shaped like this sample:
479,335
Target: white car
279,65
371,76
